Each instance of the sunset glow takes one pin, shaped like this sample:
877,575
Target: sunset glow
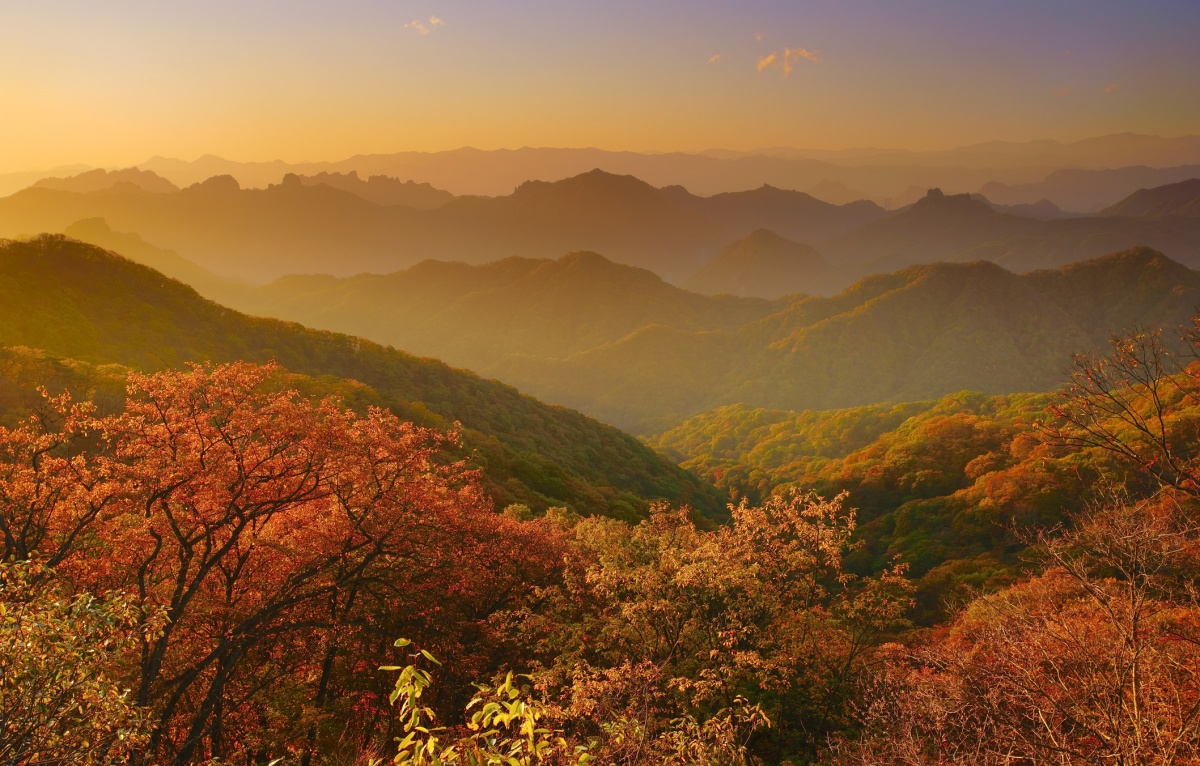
112,84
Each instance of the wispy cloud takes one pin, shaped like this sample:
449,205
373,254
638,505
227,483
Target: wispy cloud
1062,92
717,58
787,59
1112,87
760,36
422,27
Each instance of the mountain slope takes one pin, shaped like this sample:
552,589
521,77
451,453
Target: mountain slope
1182,199
475,316
765,265
919,333
75,300
959,228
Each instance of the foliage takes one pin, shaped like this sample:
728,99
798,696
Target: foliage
280,538
666,640
1095,661
1138,404
61,694
946,486
504,729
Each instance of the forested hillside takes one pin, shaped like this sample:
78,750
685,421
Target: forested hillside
77,301
619,344
919,333
477,316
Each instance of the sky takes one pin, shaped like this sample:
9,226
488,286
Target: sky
113,83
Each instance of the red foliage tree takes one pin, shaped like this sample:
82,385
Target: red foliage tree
284,541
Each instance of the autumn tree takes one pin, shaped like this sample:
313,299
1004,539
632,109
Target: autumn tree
283,541
1137,405
667,640
1097,660
62,696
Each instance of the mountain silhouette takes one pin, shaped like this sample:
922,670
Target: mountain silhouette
1180,199
765,265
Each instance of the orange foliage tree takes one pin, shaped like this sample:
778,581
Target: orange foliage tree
671,644
1095,661
283,541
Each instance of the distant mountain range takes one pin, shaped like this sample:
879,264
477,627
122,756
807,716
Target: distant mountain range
294,227
919,333
1088,191
74,300
878,174
944,227
1179,199
104,180
306,226
618,343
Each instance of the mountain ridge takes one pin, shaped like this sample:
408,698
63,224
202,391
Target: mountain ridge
79,301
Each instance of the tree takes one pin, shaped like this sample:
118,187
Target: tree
282,540
505,728
667,640
1095,661
61,693
1137,404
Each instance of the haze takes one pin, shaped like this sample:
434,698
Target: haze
113,84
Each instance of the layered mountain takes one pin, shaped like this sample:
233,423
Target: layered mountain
765,265
78,301
103,180
918,333
877,174
478,315
1181,199
297,228
1083,190
382,190
935,228
942,227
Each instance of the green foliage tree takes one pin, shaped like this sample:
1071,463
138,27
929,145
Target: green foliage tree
62,693
505,728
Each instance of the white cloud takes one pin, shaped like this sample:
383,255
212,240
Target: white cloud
787,59
422,27
717,58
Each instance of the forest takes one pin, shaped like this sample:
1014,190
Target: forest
215,557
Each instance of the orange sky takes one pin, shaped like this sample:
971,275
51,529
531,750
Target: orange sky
115,83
